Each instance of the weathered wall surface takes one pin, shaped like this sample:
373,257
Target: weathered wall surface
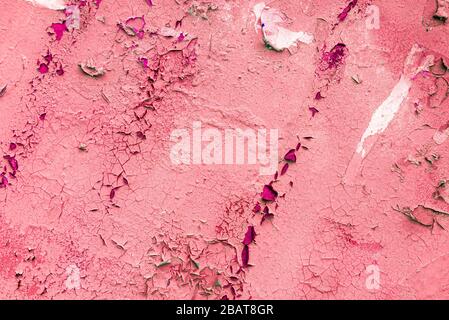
91,205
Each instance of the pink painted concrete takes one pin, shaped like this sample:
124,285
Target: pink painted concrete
96,209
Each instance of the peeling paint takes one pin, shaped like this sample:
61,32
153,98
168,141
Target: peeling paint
274,34
385,113
93,207
49,4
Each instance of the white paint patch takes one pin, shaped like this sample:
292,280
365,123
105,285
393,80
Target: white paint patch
73,18
440,137
383,115
257,10
415,63
274,33
169,32
73,280
49,4
285,38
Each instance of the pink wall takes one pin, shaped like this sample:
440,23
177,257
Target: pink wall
91,205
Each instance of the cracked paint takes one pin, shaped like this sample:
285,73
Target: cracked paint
92,207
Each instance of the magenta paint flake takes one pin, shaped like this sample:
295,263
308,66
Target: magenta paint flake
59,29
144,61
284,169
344,14
245,256
3,90
3,181
268,193
141,135
181,37
257,208
12,162
60,70
48,57
43,68
318,96
250,235
335,57
290,155
313,111
266,216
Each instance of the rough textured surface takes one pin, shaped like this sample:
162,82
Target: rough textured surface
91,207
